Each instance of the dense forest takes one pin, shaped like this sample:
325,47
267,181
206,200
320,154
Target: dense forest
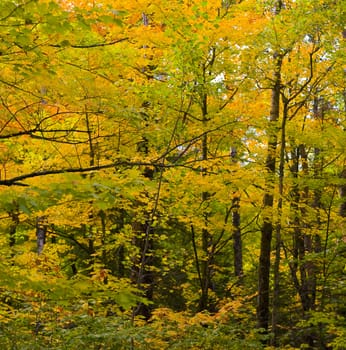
172,174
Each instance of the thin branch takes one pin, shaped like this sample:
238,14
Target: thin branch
89,46
16,180
191,141
90,71
32,132
16,7
20,89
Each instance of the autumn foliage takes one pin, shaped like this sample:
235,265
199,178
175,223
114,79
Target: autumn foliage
172,174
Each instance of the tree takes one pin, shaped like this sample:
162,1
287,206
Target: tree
169,167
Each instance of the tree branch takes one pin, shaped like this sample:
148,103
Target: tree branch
16,180
89,46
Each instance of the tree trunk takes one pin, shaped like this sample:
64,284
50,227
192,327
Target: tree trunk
237,240
142,274
306,239
268,200
207,261
14,215
276,286
41,231
342,191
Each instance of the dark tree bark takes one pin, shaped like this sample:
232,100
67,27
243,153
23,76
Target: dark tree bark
237,239
276,286
206,271
263,313
301,271
14,215
142,273
342,191
306,238
41,232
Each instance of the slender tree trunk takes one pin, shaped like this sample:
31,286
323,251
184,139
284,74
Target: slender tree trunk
142,274
342,188
41,231
14,214
88,228
207,261
268,200
237,239
342,191
276,287
304,270
301,241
